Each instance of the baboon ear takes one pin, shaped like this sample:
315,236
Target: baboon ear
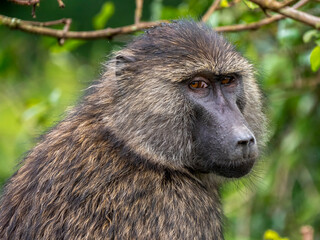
122,62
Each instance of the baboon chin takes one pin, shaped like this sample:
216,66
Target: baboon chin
176,103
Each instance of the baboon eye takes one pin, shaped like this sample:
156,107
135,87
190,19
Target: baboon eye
227,80
198,84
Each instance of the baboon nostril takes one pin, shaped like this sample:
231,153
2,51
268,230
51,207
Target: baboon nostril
246,146
246,141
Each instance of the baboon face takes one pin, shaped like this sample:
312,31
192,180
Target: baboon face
223,142
185,97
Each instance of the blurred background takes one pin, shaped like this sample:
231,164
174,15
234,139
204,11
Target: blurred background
39,80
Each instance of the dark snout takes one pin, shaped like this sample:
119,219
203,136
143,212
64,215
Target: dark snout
244,143
224,143
241,155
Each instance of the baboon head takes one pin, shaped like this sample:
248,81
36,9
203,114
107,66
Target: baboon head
180,95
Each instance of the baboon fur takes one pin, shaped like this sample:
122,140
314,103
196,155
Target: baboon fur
117,166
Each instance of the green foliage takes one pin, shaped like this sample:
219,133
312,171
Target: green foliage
224,3
315,54
156,10
250,5
182,11
106,12
68,46
315,58
272,235
309,35
39,80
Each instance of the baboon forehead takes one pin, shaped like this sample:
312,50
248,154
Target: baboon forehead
187,44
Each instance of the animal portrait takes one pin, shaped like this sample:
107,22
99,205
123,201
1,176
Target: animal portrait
144,152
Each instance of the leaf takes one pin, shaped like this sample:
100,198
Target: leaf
250,5
315,58
156,10
181,12
34,111
288,36
101,19
271,235
68,46
54,96
306,104
224,3
309,35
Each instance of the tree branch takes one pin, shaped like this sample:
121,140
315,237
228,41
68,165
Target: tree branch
249,26
27,2
49,23
288,2
259,24
33,11
212,8
38,28
41,28
138,11
290,12
65,30
61,3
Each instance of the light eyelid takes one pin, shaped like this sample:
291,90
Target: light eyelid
198,83
225,80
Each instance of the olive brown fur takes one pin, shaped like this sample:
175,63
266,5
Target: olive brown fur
125,162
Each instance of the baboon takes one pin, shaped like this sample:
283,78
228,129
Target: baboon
142,155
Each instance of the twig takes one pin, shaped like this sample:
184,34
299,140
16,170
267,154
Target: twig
33,11
287,2
249,26
138,11
66,28
212,8
28,2
300,16
33,3
265,12
303,17
49,23
61,3
257,25
104,33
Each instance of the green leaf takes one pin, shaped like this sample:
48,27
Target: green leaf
287,35
54,96
250,5
272,235
309,35
68,46
101,19
224,3
169,12
156,9
315,58
306,104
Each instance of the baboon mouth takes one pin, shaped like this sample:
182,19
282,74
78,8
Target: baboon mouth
234,170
